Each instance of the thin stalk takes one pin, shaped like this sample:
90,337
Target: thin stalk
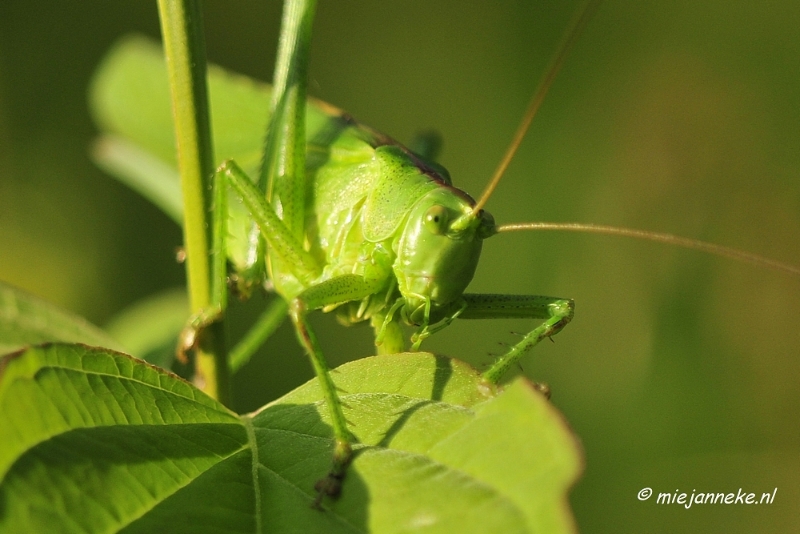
264,327
184,45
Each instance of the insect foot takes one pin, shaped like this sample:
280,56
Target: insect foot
190,336
559,313
331,485
542,388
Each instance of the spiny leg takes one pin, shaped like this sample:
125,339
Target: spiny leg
343,288
342,452
556,312
280,240
283,243
284,168
336,290
333,291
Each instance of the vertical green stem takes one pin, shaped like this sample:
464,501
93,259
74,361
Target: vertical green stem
184,44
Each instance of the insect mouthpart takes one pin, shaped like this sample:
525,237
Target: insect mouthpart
413,312
416,309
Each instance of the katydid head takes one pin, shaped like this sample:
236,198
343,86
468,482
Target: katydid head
438,251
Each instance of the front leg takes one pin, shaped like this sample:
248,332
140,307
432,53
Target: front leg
426,330
556,313
333,291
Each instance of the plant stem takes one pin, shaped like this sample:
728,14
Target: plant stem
184,45
264,327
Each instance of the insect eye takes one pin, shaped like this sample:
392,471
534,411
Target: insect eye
436,219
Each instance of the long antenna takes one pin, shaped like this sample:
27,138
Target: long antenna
567,42
659,237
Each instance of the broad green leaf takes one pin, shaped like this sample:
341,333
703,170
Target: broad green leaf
27,320
149,328
92,439
97,441
130,102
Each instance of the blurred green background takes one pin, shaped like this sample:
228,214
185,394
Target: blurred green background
680,371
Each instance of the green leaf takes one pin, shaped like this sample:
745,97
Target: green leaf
144,173
149,328
129,101
27,320
96,441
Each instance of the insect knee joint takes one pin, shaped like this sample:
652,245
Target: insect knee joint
297,309
563,308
